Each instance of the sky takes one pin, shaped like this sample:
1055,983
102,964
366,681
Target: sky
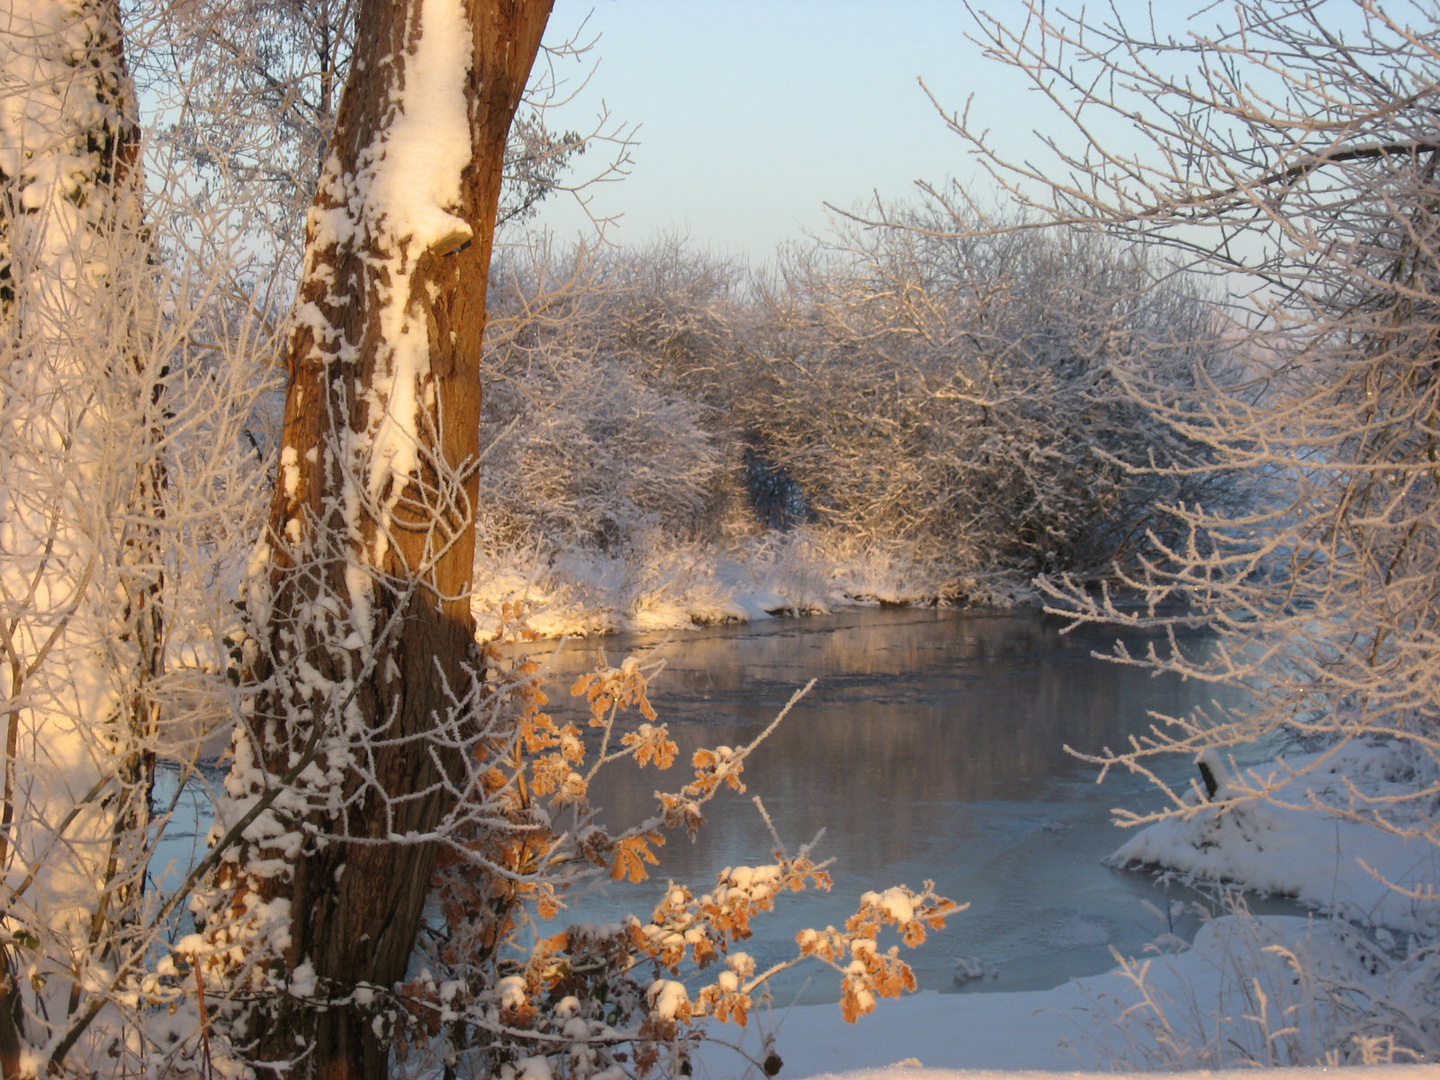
752,114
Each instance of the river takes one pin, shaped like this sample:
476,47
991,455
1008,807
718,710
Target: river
932,747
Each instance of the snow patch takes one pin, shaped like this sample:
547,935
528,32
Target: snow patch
667,997
419,160
1302,841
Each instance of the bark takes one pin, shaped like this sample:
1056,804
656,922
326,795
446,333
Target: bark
365,655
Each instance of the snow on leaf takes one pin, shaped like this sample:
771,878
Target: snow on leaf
652,744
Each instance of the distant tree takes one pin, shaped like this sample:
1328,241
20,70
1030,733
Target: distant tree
966,397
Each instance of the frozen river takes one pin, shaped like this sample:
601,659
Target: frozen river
930,748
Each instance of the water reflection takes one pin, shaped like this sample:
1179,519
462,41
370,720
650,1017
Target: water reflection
912,709
931,747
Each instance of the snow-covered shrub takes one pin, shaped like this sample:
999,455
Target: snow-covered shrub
623,354
960,407
966,398
610,464
588,452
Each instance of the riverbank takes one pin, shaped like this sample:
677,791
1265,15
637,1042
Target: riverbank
1187,1010
660,585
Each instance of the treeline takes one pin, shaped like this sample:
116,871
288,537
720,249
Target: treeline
924,417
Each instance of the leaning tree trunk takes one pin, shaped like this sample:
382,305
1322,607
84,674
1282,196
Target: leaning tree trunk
364,658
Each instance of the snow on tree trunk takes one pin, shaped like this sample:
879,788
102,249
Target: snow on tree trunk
80,632
364,660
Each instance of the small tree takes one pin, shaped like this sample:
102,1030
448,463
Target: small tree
1291,156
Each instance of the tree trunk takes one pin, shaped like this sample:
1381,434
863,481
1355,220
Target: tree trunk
364,655
81,633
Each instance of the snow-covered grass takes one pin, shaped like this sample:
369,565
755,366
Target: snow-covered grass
1196,1008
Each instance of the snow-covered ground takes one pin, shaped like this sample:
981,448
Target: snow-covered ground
655,584
1248,991
1309,837
1195,1007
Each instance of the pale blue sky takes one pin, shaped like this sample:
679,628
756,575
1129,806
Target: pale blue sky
754,113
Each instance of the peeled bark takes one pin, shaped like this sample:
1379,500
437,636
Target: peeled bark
364,654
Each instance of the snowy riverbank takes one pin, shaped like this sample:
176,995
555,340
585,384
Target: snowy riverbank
659,585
